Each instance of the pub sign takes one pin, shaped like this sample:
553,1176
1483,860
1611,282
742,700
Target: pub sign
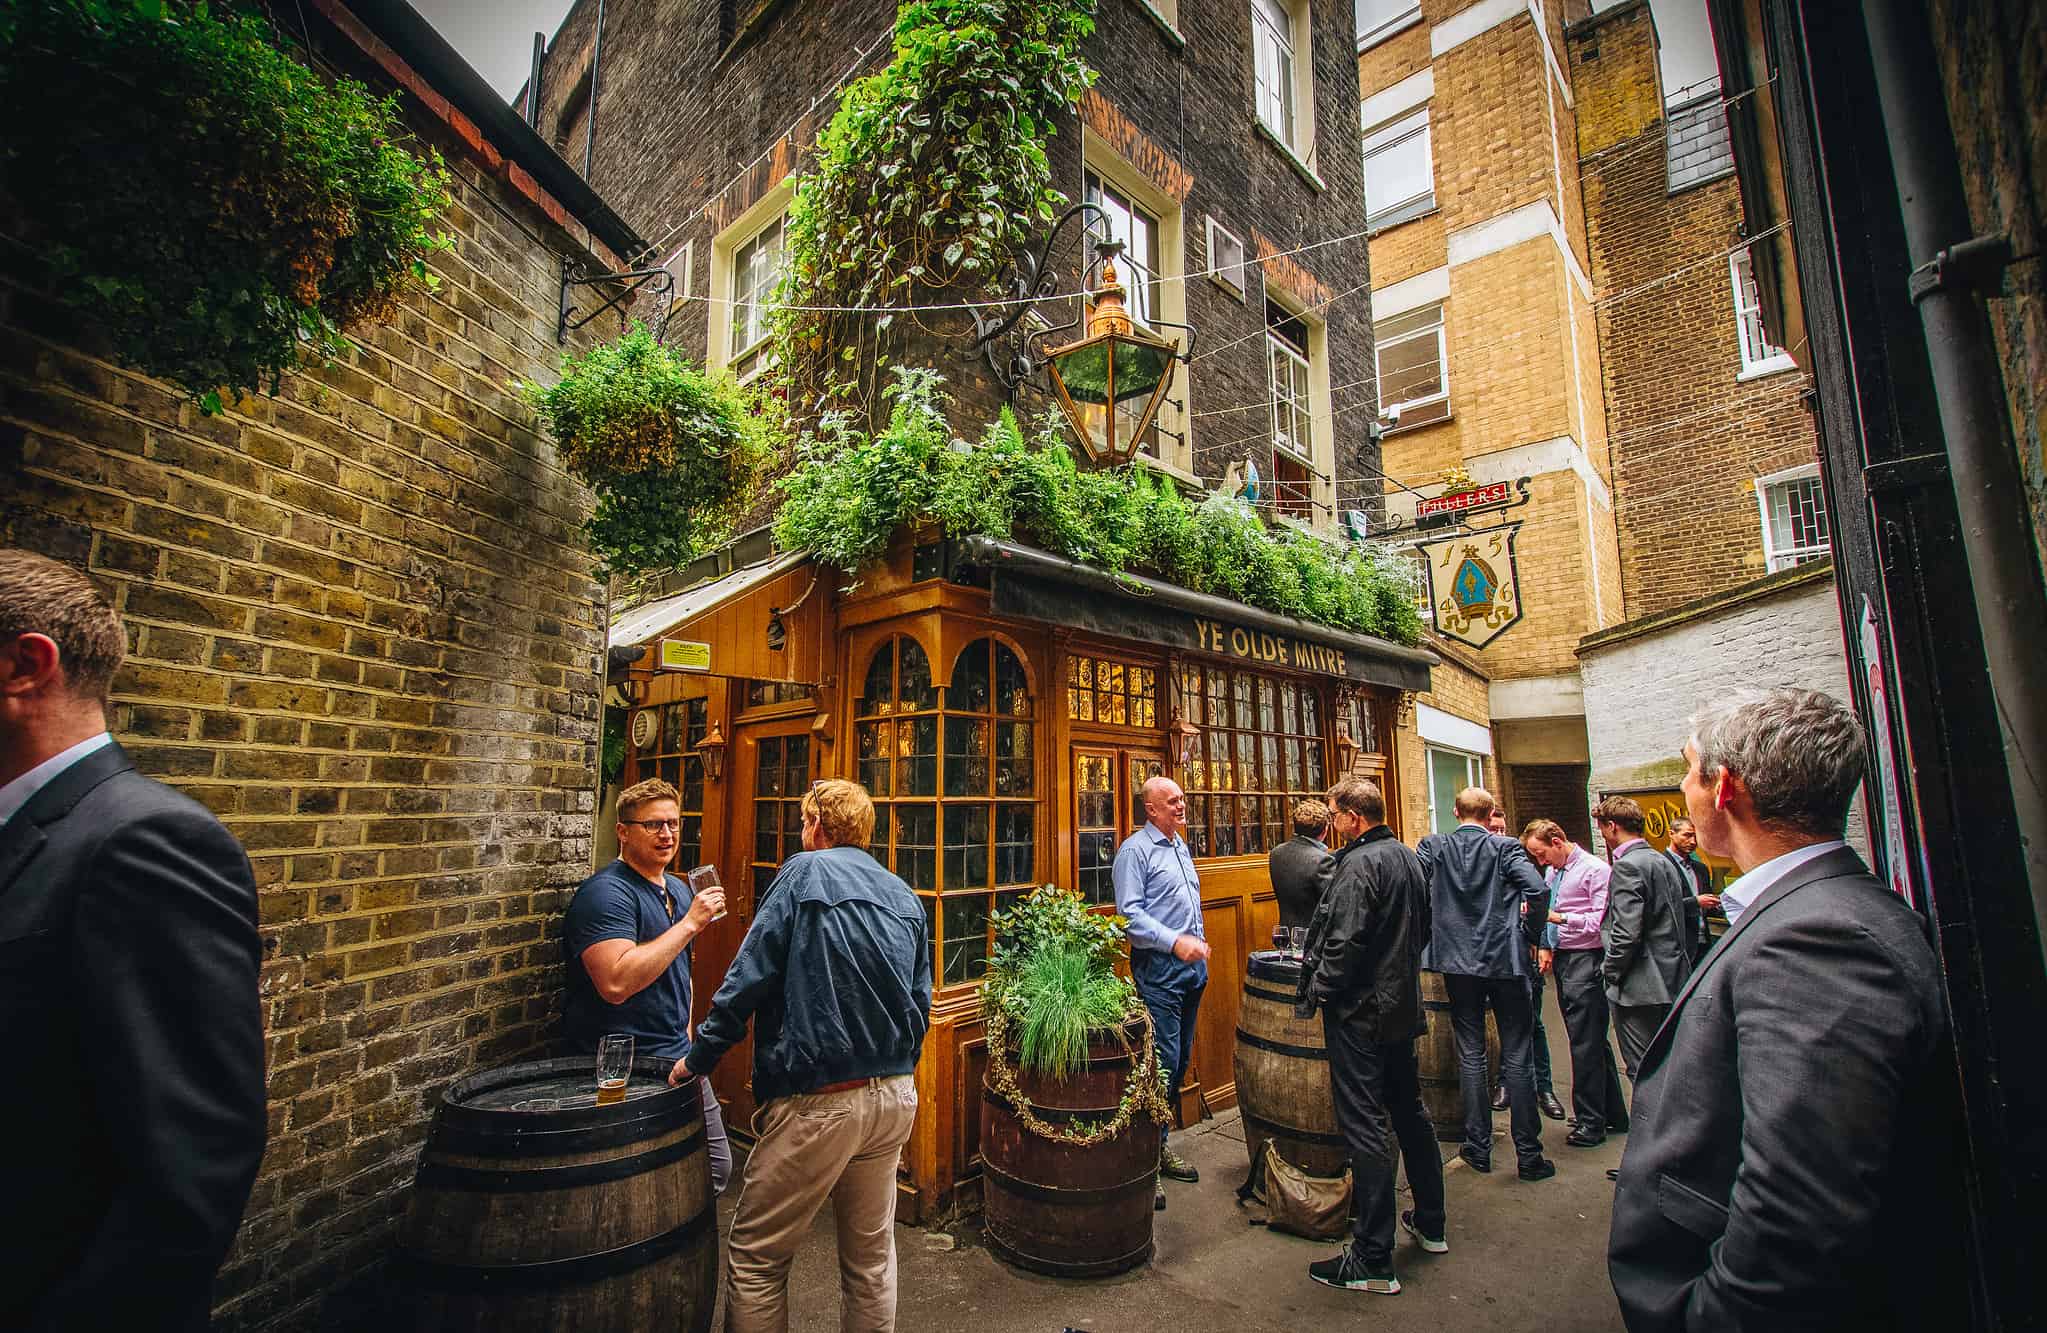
1474,585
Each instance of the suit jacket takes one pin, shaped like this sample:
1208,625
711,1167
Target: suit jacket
1791,1126
1697,880
1301,869
1644,932
1477,883
133,1040
1365,945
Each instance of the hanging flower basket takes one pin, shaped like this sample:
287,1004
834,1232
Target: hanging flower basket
216,207
673,452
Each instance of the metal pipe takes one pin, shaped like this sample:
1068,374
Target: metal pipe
2011,604
533,80
596,72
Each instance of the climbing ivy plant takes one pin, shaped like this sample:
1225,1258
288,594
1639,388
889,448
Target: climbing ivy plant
853,489
932,172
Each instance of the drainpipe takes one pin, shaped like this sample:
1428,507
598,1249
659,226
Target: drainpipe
596,72
1951,269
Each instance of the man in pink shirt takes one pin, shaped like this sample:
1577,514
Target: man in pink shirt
1578,881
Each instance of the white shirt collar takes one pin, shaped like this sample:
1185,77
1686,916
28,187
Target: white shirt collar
1739,896
19,792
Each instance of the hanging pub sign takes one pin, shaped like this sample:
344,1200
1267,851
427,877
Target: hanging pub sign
1474,584
1438,510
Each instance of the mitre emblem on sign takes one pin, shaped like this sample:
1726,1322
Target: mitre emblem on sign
1474,585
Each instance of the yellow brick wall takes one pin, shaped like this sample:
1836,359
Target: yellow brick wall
1490,126
1457,690
1410,248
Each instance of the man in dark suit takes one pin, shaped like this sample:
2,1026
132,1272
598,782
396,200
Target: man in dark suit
1301,866
1644,932
1483,942
1699,899
132,1031
1363,970
1793,1115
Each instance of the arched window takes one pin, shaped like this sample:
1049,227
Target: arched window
955,787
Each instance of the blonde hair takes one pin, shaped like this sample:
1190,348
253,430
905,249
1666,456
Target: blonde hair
1543,830
640,793
843,810
1474,803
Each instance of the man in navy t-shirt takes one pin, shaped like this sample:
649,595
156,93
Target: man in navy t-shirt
626,942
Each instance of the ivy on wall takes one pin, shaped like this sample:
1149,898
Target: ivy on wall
930,175
216,207
853,490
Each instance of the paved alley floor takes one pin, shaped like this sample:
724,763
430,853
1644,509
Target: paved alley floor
1522,1256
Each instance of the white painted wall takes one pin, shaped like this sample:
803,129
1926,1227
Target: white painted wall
1640,692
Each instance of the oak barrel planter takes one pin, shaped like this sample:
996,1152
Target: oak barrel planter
1282,1072
536,1209
1059,1208
1436,1054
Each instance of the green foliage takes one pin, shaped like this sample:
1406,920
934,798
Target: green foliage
932,172
217,207
673,452
1053,978
852,491
611,764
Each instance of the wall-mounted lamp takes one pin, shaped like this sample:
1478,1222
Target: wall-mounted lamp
1346,734
1185,738
711,749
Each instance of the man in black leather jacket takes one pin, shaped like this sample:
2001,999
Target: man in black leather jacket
1363,968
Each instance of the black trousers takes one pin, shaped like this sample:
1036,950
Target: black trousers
1596,1098
1379,1109
1538,1039
1633,1026
1508,998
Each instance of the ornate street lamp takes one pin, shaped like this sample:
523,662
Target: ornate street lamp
1112,381
711,749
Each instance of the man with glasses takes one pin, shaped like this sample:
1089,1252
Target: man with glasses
626,941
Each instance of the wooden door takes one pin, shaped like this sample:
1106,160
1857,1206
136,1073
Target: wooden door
1108,806
767,776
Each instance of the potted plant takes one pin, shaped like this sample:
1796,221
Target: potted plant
1073,1102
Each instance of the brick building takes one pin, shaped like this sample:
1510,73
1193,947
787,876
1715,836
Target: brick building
363,630
1559,294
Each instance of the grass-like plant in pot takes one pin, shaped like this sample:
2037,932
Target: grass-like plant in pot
1073,1101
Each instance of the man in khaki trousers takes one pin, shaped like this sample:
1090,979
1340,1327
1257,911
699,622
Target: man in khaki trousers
836,975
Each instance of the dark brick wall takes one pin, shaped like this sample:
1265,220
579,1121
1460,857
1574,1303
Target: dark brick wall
1548,791
690,134
1687,436
362,629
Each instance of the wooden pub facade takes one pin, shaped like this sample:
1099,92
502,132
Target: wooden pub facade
1004,707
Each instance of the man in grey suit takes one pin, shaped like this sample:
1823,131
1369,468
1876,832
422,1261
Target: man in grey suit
1644,932
1301,866
1788,1167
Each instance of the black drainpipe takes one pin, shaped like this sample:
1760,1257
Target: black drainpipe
596,70
1950,268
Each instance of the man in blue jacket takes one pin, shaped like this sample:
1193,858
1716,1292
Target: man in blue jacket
836,975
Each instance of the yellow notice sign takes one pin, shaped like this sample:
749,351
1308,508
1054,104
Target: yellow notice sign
685,655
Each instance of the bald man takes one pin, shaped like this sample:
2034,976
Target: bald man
1159,892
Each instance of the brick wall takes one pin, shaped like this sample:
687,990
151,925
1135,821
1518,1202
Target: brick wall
1687,436
1643,681
362,630
1459,688
1547,791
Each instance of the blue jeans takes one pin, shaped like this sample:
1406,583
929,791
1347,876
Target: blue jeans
1171,990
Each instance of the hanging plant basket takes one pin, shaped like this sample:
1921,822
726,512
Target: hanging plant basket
217,208
673,452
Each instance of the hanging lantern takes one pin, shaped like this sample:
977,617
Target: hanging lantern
1112,382
711,749
1185,736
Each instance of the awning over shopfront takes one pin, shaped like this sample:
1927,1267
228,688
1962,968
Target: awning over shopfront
652,619
1036,585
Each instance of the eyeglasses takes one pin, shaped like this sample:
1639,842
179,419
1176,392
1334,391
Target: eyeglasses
654,825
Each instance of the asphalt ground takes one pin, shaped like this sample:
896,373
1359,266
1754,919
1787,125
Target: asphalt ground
1522,1256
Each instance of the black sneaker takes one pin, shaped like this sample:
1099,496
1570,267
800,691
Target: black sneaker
1175,1167
1542,1168
1430,1244
1158,1200
1347,1271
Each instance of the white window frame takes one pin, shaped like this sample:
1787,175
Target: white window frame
1275,93
1442,821
1775,557
1140,230
1387,402
1230,276
1167,300
1392,134
1296,400
1758,357
1409,15
728,306
752,283
681,267
1290,377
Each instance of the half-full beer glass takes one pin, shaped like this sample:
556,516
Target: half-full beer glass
706,877
614,1067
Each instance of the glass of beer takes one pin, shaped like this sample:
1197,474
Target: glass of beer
706,877
614,1067
1279,938
1300,938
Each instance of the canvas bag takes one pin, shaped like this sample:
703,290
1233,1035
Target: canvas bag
1317,1207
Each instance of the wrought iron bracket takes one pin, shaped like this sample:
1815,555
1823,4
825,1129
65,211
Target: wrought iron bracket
1031,281
660,280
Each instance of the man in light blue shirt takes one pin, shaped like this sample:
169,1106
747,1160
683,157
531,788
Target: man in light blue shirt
1159,892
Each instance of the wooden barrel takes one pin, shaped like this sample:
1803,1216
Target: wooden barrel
1282,1071
1436,1054
1064,1210
535,1208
